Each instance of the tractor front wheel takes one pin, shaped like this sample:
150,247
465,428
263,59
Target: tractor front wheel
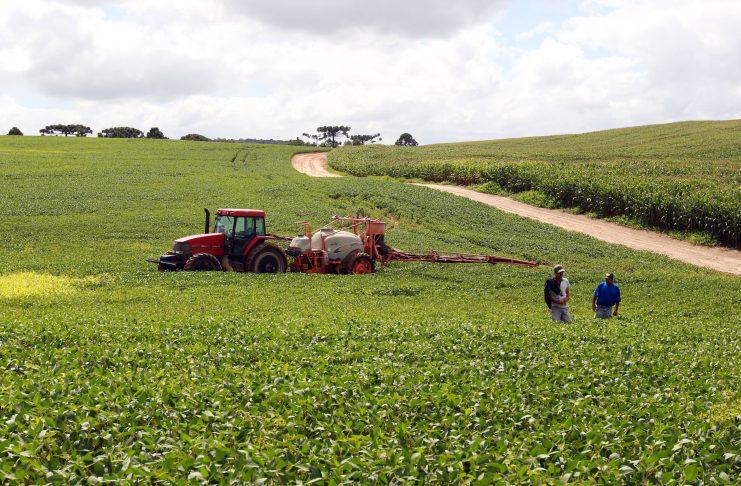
267,259
202,262
361,264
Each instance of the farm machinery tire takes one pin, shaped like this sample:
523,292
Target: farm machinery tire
202,262
346,265
358,264
266,259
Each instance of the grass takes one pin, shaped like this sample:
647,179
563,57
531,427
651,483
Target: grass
113,371
683,176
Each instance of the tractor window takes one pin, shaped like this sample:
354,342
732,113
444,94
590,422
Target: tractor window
245,228
224,224
260,226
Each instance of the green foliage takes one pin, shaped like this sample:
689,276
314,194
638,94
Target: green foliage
121,132
449,373
155,132
66,130
406,140
328,136
194,137
364,139
15,131
680,176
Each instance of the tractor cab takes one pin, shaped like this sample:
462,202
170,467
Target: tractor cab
239,227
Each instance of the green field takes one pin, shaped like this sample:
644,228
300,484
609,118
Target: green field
114,371
680,176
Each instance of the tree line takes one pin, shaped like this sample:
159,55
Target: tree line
83,131
333,135
325,136
129,132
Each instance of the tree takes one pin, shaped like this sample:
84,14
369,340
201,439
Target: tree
313,139
15,131
155,132
121,132
194,137
329,134
406,140
82,131
363,139
61,129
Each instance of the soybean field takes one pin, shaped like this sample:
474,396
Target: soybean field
114,372
684,177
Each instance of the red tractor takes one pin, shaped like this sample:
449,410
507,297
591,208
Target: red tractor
239,242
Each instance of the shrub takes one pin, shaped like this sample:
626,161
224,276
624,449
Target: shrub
195,137
406,140
155,132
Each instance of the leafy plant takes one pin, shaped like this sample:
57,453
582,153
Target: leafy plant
681,176
115,372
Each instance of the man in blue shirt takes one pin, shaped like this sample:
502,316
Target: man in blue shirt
606,295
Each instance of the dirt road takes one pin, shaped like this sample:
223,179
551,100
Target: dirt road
721,259
314,165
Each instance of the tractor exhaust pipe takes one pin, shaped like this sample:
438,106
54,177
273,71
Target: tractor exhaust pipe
208,219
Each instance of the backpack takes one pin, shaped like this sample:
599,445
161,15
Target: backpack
550,286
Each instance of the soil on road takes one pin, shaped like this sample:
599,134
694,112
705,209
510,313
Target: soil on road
722,259
314,165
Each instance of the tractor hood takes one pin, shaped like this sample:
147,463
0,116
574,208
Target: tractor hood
212,243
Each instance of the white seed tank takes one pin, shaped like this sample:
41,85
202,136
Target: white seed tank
302,243
338,244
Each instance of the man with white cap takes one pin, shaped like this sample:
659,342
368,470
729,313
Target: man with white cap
557,295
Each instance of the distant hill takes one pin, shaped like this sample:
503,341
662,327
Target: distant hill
263,141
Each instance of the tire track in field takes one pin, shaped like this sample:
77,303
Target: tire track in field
721,259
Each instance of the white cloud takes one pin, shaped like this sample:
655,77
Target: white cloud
77,52
214,67
542,28
408,18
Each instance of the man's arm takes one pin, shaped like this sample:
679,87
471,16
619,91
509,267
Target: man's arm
595,296
617,304
568,295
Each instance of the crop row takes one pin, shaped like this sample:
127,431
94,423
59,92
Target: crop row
677,205
670,190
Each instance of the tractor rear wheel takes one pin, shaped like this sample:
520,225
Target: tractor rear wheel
361,264
202,262
266,259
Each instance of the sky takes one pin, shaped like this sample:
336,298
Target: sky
441,70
